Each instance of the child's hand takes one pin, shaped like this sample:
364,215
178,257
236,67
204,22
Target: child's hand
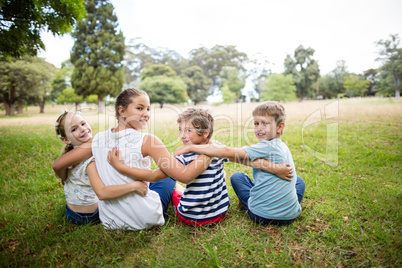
284,171
185,149
114,158
140,187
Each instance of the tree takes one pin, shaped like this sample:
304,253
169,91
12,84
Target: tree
355,86
140,56
391,56
22,80
21,22
157,70
304,69
233,81
257,70
373,76
332,84
279,87
61,79
197,84
68,96
98,53
162,89
212,61
163,85
227,95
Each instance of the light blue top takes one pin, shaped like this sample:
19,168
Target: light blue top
272,197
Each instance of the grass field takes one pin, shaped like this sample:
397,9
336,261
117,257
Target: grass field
348,152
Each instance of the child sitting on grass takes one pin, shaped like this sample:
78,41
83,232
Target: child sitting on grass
267,199
81,200
205,199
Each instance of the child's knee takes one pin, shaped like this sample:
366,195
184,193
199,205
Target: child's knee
300,183
236,176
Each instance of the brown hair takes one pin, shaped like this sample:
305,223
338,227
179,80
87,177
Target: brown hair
59,126
271,108
125,98
200,118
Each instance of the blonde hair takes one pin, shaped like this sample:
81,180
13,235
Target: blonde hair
200,118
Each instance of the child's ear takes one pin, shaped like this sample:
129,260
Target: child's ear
206,133
66,141
280,127
121,111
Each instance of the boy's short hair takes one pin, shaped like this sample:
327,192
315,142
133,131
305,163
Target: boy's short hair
200,118
271,108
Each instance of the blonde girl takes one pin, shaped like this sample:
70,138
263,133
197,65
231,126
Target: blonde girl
81,200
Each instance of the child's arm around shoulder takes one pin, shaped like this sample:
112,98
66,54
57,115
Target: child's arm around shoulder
73,157
169,165
238,155
115,160
113,191
213,150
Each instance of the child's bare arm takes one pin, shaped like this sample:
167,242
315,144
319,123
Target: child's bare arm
115,160
238,155
283,171
154,148
73,157
113,191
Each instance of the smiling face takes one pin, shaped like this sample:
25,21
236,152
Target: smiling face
189,135
77,129
265,128
136,115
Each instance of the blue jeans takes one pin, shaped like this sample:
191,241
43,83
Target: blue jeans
81,218
165,189
242,184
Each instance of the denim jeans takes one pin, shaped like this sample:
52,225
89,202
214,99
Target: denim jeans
81,218
242,184
165,189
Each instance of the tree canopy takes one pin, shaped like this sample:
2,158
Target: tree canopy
22,21
197,84
98,53
163,85
391,56
304,69
25,80
278,87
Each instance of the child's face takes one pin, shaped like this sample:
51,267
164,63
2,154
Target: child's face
77,129
189,135
265,128
137,112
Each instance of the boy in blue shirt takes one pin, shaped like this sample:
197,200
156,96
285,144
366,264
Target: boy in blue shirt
268,199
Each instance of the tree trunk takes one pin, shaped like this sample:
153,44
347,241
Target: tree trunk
161,105
9,101
42,107
7,107
19,110
397,83
101,104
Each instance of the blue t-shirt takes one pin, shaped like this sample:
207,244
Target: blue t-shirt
206,197
272,197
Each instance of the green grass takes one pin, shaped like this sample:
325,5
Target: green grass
350,218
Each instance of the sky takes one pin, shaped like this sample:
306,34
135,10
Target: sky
337,30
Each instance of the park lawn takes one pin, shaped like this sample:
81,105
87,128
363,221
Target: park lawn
350,218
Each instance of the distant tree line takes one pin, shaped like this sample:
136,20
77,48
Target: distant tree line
101,65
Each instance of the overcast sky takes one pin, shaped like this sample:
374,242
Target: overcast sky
336,30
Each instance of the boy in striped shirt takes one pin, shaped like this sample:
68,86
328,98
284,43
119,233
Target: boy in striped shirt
268,199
